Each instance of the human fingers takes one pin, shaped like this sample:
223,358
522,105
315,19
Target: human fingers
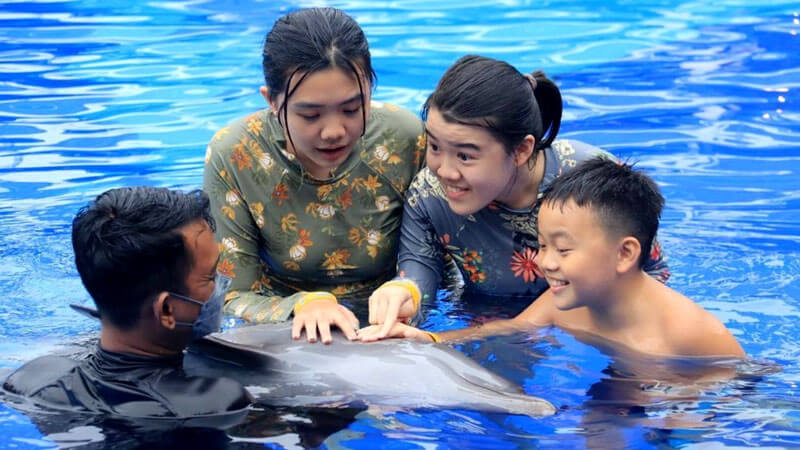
310,324
350,318
371,333
368,334
373,301
297,327
324,326
345,323
390,317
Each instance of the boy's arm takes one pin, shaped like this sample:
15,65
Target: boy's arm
538,314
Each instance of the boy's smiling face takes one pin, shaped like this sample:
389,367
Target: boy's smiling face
576,255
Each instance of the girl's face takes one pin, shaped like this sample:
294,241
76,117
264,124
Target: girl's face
472,166
324,118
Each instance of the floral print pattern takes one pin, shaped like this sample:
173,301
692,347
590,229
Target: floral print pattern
494,248
281,232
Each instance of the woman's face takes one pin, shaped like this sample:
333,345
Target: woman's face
472,166
324,118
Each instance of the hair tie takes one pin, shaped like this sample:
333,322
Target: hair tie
531,80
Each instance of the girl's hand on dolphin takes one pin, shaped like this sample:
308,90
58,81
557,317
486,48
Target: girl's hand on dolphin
394,300
318,311
398,330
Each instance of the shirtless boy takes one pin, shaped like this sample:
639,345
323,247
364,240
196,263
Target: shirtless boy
596,225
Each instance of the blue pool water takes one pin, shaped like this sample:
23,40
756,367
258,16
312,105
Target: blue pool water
704,95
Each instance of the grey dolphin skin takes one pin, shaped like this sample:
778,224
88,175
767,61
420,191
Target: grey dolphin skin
399,373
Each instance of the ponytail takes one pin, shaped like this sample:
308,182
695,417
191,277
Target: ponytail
551,107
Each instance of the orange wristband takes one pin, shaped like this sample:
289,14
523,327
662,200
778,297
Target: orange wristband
311,297
411,287
435,337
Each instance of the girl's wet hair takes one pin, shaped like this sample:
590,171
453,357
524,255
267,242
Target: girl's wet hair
311,40
485,92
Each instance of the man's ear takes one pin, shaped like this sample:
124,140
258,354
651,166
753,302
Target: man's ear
164,311
524,150
628,251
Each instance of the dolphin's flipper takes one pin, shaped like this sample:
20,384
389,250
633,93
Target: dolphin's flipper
400,373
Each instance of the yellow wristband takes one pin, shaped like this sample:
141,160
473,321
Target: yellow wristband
435,337
311,297
412,288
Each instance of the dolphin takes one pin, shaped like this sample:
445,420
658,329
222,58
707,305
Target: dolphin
280,371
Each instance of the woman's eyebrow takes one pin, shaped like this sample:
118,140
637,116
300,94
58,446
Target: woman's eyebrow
309,105
467,145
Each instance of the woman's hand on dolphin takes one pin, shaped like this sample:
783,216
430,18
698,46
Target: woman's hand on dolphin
394,300
397,330
318,311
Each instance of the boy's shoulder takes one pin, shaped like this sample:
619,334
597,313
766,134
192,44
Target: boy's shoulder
691,330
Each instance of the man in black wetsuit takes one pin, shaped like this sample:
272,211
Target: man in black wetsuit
148,258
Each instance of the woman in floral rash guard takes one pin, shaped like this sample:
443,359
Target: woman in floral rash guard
308,194
490,153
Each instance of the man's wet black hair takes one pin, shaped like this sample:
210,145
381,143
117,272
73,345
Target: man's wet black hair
308,41
627,201
486,92
128,247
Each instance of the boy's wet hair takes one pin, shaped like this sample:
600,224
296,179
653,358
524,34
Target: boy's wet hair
627,201
128,247
489,93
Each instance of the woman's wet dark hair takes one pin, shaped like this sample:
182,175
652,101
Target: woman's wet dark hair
311,40
493,94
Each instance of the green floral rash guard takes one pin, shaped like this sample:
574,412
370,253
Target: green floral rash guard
494,248
282,233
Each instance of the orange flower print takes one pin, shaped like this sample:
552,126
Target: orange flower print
339,290
523,264
241,159
323,191
337,260
304,238
229,212
477,277
254,126
372,183
226,267
221,133
346,199
470,262
355,237
289,222
280,193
